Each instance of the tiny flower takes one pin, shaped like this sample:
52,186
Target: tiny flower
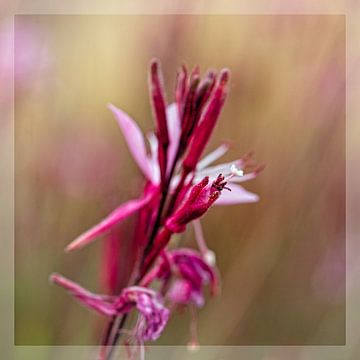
152,315
193,274
189,271
184,273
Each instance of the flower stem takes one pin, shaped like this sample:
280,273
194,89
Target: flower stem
109,332
112,324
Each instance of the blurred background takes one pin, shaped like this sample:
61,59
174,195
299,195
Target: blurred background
282,260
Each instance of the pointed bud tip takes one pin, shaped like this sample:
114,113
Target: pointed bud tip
55,278
71,247
260,168
211,73
224,76
195,71
184,69
154,66
112,107
154,62
205,180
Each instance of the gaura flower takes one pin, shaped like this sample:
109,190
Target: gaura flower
152,314
183,127
183,274
179,189
189,272
198,200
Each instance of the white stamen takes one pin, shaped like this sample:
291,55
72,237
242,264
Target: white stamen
236,171
210,258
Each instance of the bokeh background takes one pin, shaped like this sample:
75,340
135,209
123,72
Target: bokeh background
282,260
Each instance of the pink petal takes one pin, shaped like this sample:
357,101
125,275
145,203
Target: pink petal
213,156
119,214
134,139
237,195
174,128
93,301
180,292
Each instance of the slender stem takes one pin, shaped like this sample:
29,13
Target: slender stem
156,225
159,214
107,333
155,229
116,336
176,193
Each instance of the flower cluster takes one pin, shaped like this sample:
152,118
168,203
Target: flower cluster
180,188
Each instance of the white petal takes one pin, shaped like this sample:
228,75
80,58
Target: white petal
154,157
237,195
213,156
214,171
174,129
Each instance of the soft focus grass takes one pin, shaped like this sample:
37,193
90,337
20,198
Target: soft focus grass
282,260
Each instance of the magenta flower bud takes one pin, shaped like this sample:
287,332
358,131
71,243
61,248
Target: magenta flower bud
181,89
201,197
159,110
207,123
193,268
205,89
190,273
189,109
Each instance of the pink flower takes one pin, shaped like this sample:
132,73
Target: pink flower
183,274
189,272
150,165
180,188
152,315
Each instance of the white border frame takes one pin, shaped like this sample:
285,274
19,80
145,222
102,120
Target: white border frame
247,7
